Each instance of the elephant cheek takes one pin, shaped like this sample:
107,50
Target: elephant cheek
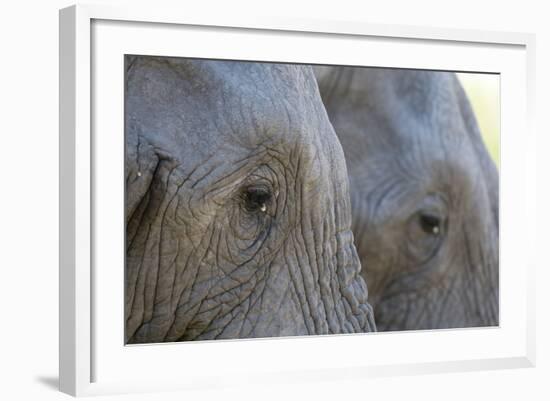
324,291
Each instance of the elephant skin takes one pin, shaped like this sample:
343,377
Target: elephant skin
238,217
424,195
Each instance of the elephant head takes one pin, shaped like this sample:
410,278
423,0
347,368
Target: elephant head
424,195
238,217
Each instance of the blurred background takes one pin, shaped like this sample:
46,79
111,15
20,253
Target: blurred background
483,90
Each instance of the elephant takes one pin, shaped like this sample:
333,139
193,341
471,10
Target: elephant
424,194
237,211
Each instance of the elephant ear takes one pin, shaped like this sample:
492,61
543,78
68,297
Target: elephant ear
142,159
486,164
137,176
140,166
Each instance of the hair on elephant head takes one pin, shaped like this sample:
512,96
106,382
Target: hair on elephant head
238,217
424,195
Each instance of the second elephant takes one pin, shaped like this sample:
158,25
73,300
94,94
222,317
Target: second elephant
424,195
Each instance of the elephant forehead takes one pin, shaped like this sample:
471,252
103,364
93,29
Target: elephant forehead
418,119
194,102
204,113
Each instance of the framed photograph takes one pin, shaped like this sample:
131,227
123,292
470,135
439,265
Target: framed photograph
275,200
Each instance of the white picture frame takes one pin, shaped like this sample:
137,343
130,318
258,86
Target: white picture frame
91,40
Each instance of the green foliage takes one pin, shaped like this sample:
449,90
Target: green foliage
483,90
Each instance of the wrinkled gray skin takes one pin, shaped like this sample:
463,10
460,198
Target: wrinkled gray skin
424,195
237,212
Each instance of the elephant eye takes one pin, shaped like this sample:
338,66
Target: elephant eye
430,224
256,198
426,229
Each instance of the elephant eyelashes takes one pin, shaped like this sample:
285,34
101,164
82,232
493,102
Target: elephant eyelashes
256,198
